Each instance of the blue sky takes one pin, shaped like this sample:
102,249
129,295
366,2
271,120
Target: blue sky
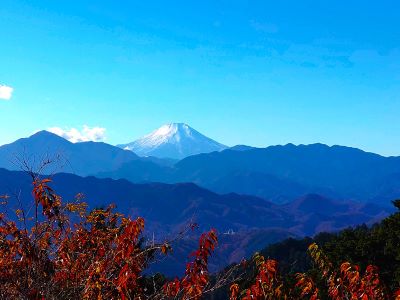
241,72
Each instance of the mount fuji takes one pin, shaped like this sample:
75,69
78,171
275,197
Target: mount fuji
175,140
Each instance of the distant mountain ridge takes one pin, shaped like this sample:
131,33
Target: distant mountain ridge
172,205
175,140
335,171
284,173
84,158
277,173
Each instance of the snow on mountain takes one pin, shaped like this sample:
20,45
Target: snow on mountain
175,140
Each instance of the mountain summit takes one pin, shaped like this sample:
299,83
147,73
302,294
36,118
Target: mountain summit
175,140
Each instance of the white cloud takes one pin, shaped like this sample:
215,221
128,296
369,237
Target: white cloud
5,92
95,134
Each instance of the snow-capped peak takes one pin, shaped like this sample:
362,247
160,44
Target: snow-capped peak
169,131
174,140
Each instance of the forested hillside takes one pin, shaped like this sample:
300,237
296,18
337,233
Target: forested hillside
66,251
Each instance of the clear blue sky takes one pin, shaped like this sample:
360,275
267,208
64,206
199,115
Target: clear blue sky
241,72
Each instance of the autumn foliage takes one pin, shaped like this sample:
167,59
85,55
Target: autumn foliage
192,285
96,257
345,283
68,252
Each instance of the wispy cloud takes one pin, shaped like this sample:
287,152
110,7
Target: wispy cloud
5,92
74,135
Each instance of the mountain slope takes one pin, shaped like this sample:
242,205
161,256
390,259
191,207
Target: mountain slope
283,173
175,140
169,207
84,158
277,173
337,171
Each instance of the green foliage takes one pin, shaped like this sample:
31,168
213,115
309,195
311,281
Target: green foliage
378,245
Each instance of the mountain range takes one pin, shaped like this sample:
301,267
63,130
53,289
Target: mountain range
85,158
277,173
283,173
252,196
251,222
